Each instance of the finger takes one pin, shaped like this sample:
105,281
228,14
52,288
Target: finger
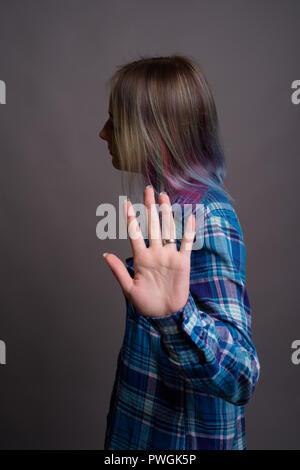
189,235
120,271
168,223
133,227
154,232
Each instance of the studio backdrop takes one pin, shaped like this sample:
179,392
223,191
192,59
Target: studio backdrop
62,313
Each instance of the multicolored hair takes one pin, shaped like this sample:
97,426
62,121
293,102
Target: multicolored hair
166,127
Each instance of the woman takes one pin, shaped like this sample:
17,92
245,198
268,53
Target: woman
187,366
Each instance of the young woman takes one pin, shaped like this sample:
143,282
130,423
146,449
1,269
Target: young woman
187,365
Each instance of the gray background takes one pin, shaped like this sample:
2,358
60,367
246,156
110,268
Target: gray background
62,311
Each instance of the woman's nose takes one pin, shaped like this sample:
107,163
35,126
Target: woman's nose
103,133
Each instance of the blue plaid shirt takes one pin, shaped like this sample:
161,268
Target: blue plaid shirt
183,380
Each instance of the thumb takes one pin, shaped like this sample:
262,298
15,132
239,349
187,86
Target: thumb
120,271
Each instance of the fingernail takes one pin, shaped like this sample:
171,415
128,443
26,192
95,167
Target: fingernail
149,186
104,254
163,192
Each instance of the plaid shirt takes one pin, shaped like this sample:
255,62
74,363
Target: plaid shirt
182,380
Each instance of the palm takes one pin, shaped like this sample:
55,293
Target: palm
161,273
161,283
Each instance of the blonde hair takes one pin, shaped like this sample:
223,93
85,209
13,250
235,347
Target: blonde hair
166,127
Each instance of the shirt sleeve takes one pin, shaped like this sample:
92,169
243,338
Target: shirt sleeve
209,340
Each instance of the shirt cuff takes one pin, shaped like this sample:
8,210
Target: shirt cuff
172,324
185,336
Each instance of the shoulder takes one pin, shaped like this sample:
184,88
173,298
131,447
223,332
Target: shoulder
222,237
217,208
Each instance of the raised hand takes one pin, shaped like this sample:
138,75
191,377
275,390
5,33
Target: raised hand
161,280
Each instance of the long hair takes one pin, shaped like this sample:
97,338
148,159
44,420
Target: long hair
166,127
